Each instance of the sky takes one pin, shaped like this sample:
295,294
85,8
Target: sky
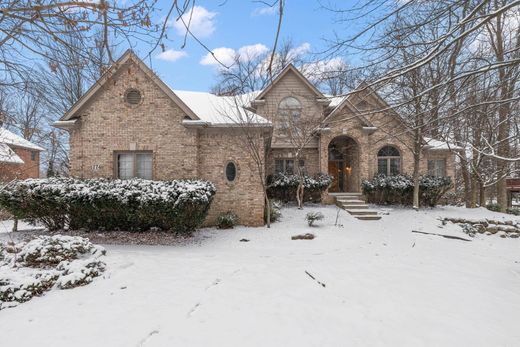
234,26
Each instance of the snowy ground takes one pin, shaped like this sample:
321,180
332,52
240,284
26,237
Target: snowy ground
384,286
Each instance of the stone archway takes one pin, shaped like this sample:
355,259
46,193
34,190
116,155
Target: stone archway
343,166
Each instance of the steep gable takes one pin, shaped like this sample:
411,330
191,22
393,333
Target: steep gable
291,70
128,58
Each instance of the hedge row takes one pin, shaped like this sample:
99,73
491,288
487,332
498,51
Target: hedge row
100,204
398,189
283,187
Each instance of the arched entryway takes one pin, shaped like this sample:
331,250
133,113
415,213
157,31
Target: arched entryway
344,164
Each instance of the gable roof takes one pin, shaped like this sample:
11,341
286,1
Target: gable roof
9,138
285,71
339,103
7,155
219,110
127,56
201,107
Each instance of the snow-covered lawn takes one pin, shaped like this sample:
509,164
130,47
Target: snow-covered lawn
384,286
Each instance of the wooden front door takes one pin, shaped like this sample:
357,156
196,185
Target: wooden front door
336,170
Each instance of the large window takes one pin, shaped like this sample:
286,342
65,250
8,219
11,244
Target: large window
286,166
389,161
134,164
289,112
437,167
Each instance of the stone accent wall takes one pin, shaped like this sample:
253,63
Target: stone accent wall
29,169
390,131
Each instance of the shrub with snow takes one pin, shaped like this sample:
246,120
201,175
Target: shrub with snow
312,217
398,189
275,212
283,186
227,220
47,262
101,204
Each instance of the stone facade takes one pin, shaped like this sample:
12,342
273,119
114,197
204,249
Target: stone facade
182,146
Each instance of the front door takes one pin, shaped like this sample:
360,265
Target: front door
336,170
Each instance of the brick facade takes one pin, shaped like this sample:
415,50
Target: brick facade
109,125
106,124
29,169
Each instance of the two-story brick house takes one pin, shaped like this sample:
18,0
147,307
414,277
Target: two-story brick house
131,124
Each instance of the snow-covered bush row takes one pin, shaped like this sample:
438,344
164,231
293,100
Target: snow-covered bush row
283,186
398,189
32,268
101,204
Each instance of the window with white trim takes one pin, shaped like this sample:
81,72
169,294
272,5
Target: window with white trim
389,161
437,167
134,165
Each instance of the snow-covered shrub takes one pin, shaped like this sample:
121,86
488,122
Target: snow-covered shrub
312,217
283,186
493,207
514,211
275,212
398,189
47,262
101,204
227,220
45,251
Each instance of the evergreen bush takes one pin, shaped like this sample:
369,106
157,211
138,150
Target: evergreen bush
227,220
101,204
312,217
398,189
283,186
275,213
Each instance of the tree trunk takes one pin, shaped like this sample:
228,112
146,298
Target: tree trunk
416,163
466,176
474,192
482,194
268,209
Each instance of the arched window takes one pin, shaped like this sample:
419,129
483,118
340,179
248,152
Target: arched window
388,161
289,111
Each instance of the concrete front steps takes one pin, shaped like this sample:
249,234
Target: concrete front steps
354,204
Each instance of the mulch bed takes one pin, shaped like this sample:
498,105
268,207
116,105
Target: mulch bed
152,238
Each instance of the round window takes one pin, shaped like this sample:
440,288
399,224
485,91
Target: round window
231,171
133,96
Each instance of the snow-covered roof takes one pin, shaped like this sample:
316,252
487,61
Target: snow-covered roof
11,138
7,155
221,110
335,100
440,145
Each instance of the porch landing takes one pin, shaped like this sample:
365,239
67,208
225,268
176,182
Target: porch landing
354,204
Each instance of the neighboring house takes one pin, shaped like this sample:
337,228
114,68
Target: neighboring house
131,124
19,158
